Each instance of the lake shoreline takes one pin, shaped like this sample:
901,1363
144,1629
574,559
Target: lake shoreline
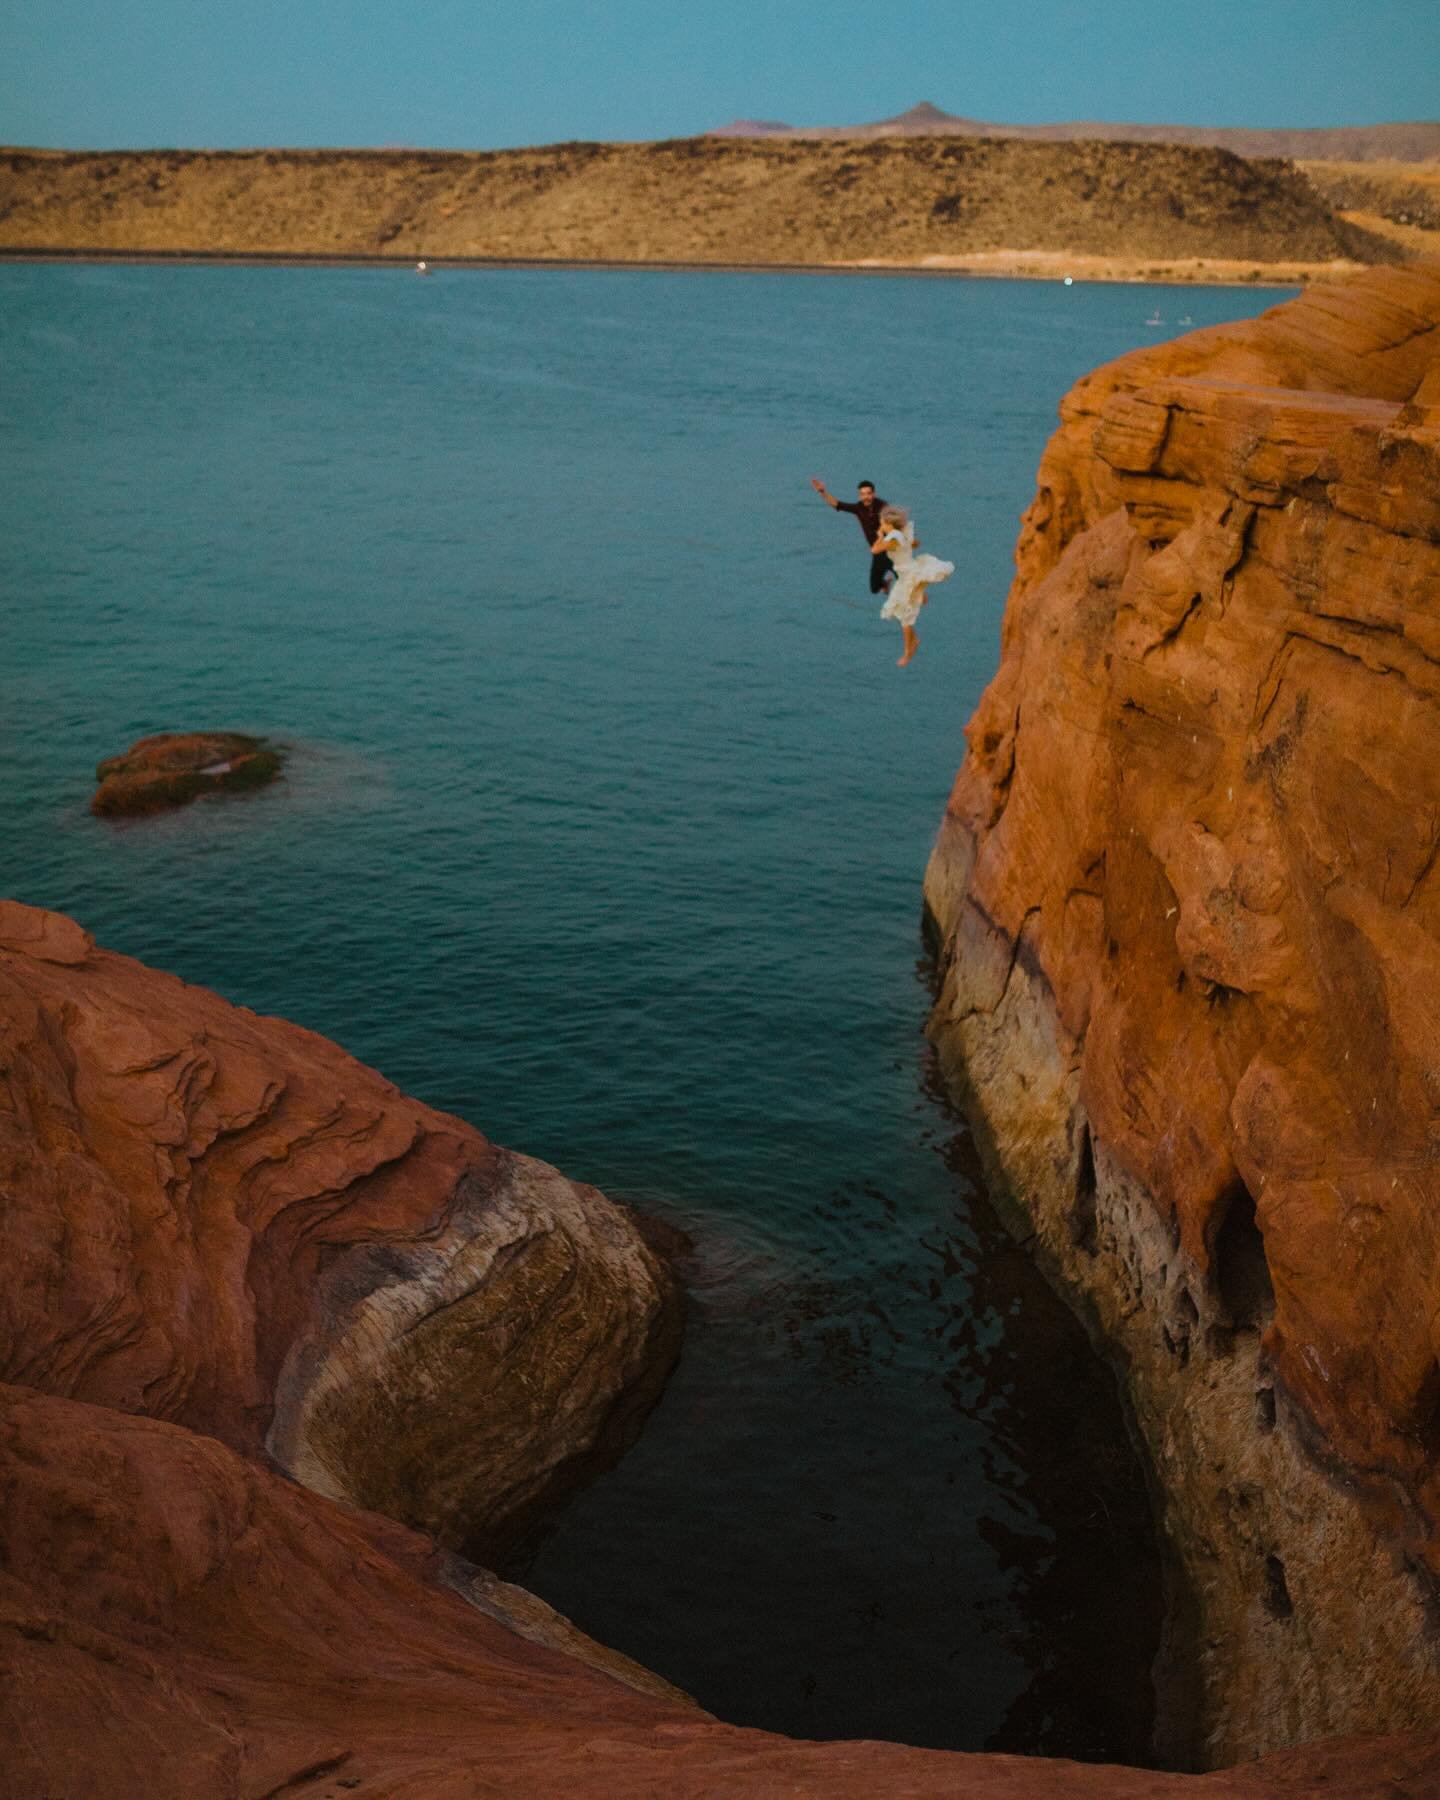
1044,265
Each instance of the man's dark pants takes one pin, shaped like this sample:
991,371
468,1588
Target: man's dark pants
880,572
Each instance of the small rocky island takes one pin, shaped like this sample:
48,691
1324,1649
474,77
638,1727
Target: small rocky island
173,768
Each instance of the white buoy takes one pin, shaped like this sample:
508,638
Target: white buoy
422,268
1069,281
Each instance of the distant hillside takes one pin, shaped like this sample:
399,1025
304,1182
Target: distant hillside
1395,200
699,200
1413,142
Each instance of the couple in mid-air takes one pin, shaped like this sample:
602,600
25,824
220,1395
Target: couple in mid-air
897,569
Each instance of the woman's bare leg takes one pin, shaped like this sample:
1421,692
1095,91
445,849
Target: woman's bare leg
912,640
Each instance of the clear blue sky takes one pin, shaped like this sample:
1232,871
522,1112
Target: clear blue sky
487,73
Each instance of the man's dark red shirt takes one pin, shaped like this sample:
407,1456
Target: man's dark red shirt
868,513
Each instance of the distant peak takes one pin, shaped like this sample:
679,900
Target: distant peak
924,112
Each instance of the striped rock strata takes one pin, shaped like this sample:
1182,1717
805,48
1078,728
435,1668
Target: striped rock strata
1187,892
227,1222
176,1621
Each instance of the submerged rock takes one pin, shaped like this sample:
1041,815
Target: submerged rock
176,767
1188,895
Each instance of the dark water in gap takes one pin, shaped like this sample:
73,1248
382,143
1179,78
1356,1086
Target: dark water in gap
604,829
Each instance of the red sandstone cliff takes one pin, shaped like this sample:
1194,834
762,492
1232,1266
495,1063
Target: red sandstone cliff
176,1622
227,1222
220,1229
1189,896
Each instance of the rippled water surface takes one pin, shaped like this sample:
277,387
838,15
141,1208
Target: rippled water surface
604,828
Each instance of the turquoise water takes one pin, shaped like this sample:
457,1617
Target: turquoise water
604,828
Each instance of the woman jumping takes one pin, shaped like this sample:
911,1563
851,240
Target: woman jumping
914,573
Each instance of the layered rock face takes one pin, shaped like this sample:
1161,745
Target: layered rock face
226,1222
222,1232
1188,894
176,1621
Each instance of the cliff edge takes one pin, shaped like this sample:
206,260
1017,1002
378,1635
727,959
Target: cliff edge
223,1233
1187,890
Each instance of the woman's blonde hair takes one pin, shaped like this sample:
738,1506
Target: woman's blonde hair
894,515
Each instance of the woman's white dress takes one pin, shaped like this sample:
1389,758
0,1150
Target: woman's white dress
913,570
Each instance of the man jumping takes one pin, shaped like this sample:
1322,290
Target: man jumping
867,510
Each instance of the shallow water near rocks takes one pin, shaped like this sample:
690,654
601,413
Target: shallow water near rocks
604,827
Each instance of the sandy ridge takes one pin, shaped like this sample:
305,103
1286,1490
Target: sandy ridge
957,204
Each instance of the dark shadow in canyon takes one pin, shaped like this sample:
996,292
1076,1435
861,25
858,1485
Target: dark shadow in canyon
890,1490
1089,1579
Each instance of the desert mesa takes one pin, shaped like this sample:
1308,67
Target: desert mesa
940,201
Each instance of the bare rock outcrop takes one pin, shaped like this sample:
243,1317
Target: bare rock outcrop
1188,895
222,1234
177,1621
227,1222
175,767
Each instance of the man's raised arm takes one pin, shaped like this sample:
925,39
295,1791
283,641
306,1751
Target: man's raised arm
824,492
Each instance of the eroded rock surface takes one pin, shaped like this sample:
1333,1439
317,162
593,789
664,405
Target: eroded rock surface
227,1222
175,767
176,1621
223,1233
1188,888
